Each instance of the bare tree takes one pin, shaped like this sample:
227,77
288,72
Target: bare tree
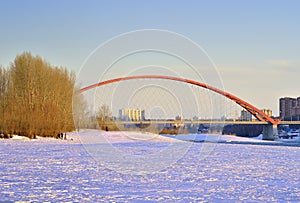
104,117
80,113
36,98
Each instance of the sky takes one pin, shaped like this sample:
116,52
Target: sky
255,44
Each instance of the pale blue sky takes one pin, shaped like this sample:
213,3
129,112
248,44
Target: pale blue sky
255,44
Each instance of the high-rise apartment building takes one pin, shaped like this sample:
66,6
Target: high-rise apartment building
296,111
245,115
289,107
131,114
268,112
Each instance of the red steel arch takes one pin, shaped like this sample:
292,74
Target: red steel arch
261,116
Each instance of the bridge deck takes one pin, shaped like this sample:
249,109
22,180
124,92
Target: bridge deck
201,122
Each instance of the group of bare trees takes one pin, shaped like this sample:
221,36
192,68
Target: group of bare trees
35,98
105,119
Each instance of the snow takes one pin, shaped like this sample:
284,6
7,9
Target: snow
17,137
295,139
122,137
215,138
54,170
72,137
235,139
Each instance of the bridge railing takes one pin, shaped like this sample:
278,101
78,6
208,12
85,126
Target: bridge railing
119,122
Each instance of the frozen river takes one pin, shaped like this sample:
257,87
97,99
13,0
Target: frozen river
58,170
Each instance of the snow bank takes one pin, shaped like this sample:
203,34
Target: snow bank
97,136
215,138
17,137
71,137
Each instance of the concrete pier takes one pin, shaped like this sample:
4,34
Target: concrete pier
270,132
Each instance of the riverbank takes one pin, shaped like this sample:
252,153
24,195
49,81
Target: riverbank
72,137
232,139
131,137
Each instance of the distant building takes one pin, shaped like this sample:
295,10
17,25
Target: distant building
289,108
178,118
297,108
268,112
196,118
127,114
296,111
245,115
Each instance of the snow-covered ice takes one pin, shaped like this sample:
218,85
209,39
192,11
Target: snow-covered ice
235,139
53,170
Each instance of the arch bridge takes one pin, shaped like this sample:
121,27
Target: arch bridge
270,124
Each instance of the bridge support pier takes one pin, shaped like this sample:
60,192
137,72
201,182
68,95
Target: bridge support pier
270,132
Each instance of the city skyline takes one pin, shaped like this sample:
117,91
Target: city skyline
290,108
255,45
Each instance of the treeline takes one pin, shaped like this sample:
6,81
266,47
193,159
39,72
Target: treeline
35,98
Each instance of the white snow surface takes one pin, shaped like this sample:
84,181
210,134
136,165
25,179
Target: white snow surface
216,138
54,170
17,137
130,137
